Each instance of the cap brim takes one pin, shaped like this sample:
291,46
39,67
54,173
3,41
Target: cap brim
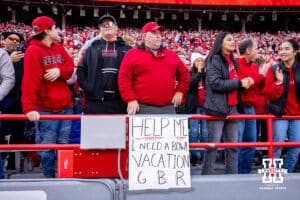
104,18
160,28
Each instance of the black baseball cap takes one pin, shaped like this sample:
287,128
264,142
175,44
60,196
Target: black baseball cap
107,16
8,33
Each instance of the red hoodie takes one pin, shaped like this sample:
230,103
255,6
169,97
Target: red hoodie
37,92
249,70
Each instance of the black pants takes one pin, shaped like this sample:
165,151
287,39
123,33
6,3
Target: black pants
11,104
114,106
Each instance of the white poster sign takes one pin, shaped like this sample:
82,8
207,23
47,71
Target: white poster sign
158,153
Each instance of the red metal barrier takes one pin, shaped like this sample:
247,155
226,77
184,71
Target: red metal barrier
269,144
269,118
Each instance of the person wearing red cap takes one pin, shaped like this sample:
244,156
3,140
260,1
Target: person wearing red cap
98,70
148,73
47,66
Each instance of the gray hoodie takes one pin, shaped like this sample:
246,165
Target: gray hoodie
7,74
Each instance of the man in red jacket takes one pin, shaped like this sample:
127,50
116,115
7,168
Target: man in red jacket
247,128
47,66
148,73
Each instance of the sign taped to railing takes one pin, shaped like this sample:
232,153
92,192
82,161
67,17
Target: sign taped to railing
158,152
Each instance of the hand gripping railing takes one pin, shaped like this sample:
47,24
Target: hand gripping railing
26,147
269,144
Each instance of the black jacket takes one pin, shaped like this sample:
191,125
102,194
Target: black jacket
218,86
277,107
19,70
191,102
89,78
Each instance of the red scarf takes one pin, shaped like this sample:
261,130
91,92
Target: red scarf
232,96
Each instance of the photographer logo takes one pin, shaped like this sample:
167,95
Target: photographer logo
272,173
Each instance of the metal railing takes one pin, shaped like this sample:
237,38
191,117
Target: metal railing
269,144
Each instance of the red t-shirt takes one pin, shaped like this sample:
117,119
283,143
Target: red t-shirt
292,106
201,93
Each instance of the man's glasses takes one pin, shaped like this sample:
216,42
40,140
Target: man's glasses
14,39
107,24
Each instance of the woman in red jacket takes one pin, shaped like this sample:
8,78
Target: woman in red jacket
283,92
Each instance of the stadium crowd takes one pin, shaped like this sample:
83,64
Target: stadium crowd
182,42
189,46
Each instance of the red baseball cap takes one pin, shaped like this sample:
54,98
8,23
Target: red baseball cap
152,26
40,24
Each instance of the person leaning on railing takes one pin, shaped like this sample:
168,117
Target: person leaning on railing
148,73
47,66
283,91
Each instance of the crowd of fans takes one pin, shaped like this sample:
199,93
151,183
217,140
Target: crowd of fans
182,42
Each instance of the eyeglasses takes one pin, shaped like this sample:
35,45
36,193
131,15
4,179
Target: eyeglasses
107,24
14,39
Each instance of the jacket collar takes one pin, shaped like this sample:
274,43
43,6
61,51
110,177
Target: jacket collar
119,42
143,47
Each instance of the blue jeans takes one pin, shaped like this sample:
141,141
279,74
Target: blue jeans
291,128
247,133
1,167
52,132
194,131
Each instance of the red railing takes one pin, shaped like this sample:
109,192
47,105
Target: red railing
269,144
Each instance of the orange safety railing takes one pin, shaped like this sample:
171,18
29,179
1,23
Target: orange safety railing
269,144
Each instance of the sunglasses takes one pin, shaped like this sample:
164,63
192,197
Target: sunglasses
107,24
14,39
